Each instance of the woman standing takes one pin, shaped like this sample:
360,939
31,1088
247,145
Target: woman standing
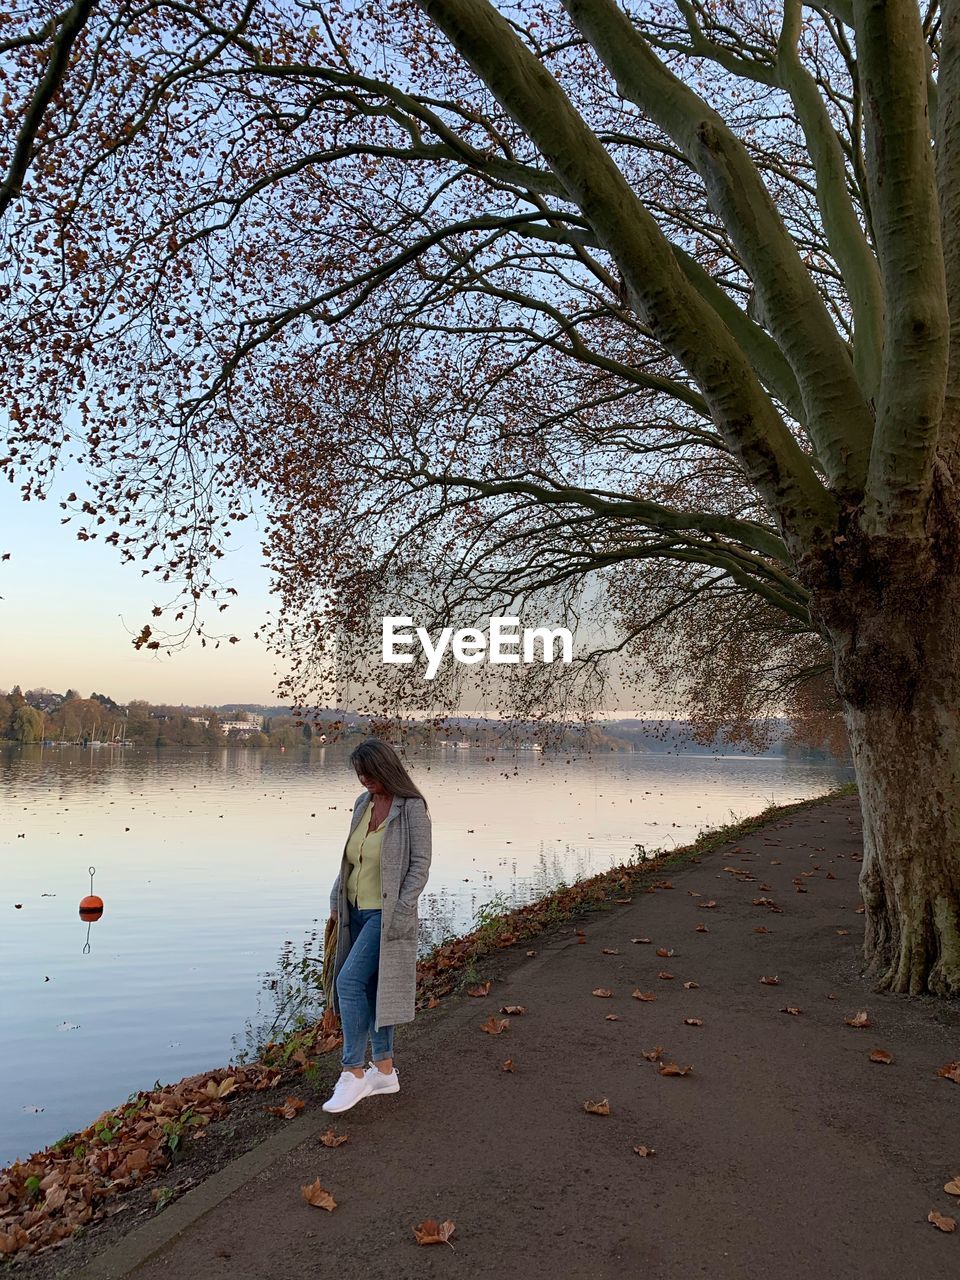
385,865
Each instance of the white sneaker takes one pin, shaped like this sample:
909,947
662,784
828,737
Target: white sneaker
347,1093
382,1081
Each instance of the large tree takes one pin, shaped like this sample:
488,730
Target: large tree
489,299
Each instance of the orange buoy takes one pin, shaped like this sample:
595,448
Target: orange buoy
91,907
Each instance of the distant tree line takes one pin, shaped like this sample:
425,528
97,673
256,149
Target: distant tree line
39,715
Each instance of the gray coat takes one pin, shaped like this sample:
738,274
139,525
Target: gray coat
405,854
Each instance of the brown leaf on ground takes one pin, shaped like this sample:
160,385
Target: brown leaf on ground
693,1022
223,1089
639,939
881,1055
653,1055
317,1196
433,1232
792,1010
613,1017
494,1026
481,989
269,1080
705,906
691,986
646,996
645,1151
702,928
692,893
530,954
666,951
671,1069
604,992
623,902
761,928
952,1188
950,1072
289,1111
601,1108
432,1002
662,884
941,1221
517,1009
582,940
666,975
609,951
842,933
770,980
832,995
507,1065
858,1020
331,1139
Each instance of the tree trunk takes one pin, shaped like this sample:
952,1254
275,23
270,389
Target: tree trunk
895,625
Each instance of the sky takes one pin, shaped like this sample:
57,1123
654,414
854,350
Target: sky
70,610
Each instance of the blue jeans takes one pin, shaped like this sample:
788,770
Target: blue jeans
357,991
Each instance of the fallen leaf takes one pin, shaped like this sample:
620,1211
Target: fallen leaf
881,1055
221,1089
666,975
761,928
653,1055
605,992
613,1017
666,951
481,989
792,1010
507,1065
693,1022
939,1220
950,1072
691,986
530,954
289,1111
832,995
433,1232
315,1195
331,1139
645,1151
601,1108
842,933
517,1009
671,1069
705,906
952,1188
646,996
639,939
860,910
702,928
609,951
770,980
494,1026
858,1020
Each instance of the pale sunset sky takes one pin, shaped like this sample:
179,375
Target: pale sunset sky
69,612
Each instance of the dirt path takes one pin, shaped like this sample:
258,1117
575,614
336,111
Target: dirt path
786,1152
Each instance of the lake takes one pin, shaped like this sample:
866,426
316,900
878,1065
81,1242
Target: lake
216,870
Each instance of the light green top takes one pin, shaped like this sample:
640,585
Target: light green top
363,858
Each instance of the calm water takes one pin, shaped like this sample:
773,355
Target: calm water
216,870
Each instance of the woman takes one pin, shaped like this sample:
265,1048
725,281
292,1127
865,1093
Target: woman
383,870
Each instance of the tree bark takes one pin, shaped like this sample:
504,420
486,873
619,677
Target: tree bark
894,616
